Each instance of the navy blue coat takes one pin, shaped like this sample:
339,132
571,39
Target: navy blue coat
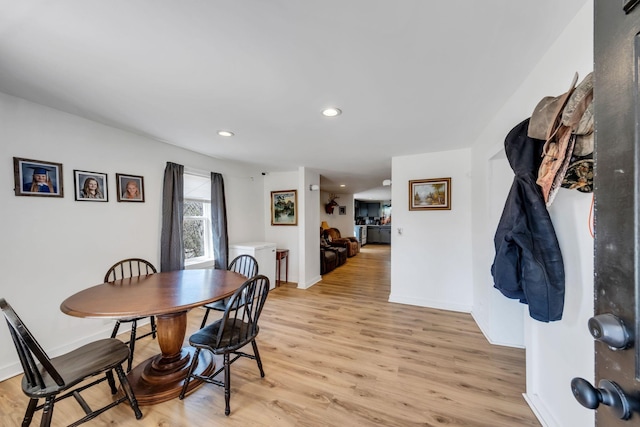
528,263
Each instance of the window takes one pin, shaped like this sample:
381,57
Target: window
196,225
196,229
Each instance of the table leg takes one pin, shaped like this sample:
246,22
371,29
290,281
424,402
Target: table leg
160,378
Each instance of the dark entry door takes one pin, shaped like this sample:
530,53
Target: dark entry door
617,225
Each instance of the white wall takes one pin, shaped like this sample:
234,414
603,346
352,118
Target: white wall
431,259
344,223
557,351
490,307
54,247
309,239
284,236
303,239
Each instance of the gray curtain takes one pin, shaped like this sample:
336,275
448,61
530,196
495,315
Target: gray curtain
219,222
171,244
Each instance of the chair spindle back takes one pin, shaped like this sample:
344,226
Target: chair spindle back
245,265
242,313
29,350
131,267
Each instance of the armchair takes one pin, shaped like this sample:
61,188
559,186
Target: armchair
328,260
335,239
330,256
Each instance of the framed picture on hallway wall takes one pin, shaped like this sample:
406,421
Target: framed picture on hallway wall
130,188
430,194
90,186
284,207
37,178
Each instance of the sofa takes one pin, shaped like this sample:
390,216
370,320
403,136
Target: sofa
334,238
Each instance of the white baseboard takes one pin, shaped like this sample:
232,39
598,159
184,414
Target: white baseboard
540,411
430,303
310,283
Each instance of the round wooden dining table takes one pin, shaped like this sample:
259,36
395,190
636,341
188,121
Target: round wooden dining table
168,296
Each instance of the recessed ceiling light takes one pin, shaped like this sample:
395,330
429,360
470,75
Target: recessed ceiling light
343,185
331,112
225,133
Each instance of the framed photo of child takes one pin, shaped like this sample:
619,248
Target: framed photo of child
37,178
130,188
90,186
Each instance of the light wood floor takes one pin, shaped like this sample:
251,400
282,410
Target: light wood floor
339,354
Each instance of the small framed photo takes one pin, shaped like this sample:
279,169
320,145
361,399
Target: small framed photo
90,186
130,188
37,178
430,194
342,210
284,207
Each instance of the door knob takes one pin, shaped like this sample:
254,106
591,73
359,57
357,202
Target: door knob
610,330
608,393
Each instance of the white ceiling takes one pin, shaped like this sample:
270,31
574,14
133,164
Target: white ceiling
411,76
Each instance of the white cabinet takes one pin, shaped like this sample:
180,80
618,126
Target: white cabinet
263,252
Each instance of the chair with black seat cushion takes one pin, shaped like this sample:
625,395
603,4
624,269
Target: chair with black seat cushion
328,260
243,264
54,379
131,267
237,328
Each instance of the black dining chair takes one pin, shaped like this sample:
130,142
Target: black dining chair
243,264
54,379
237,328
131,267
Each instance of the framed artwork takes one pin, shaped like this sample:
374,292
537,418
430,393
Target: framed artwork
284,207
430,194
342,210
90,186
37,178
130,188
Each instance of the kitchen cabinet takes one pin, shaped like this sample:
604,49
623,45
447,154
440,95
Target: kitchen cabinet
373,234
374,209
385,235
379,234
367,210
370,209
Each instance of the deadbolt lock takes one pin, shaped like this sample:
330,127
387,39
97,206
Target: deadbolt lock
610,330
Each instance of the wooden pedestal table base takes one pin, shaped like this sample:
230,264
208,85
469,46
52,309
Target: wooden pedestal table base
168,296
161,377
